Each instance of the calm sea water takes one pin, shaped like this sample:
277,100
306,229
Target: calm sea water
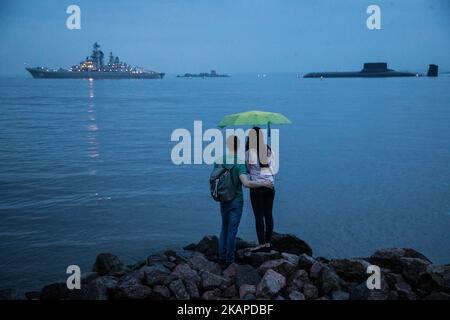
86,168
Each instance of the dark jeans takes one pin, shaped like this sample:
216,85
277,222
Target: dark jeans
262,204
231,217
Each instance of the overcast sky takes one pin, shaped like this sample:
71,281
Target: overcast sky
177,36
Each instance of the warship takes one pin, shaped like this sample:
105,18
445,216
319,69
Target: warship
372,70
93,67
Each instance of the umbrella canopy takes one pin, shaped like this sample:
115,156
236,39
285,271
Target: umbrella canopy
253,118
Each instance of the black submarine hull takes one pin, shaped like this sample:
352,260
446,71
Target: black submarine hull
372,70
359,74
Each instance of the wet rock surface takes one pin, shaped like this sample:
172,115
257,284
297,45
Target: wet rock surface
287,272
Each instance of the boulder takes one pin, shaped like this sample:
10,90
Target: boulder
353,270
185,272
211,294
271,283
290,244
133,292
361,292
296,295
156,259
299,279
435,278
292,258
179,290
132,278
88,277
328,281
412,268
230,292
390,258
174,257
246,274
101,288
199,263
212,281
108,264
310,291
255,259
316,269
209,246
305,262
155,274
246,290
281,266
192,289
340,295
230,271
160,293
55,291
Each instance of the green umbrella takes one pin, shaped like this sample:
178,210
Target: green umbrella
254,118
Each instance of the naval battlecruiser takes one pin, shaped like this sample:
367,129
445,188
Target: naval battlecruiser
93,67
372,70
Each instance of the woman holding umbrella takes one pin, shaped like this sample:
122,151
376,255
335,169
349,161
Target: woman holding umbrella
260,162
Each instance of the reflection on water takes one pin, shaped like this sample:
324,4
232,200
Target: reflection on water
92,128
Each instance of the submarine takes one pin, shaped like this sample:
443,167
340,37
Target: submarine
373,70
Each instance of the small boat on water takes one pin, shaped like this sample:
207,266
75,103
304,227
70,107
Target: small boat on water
372,70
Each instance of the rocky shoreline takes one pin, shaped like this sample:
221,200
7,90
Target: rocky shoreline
288,272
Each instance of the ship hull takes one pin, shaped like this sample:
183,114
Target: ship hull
383,74
39,73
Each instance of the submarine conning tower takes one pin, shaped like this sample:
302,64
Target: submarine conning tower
432,70
375,67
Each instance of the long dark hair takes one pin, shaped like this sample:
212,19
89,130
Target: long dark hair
262,150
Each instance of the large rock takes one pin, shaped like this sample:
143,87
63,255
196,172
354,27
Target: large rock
155,274
160,293
296,295
133,292
435,278
412,268
290,244
209,246
255,259
211,294
328,281
271,283
101,288
310,291
353,270
316,269
230,292
192,289
390,258
398,283
292,258
212,281
132,278
361,292
305,262
199,263
108,264
299,279
185,272
246,274
55,291
246,291
179,290
282,266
